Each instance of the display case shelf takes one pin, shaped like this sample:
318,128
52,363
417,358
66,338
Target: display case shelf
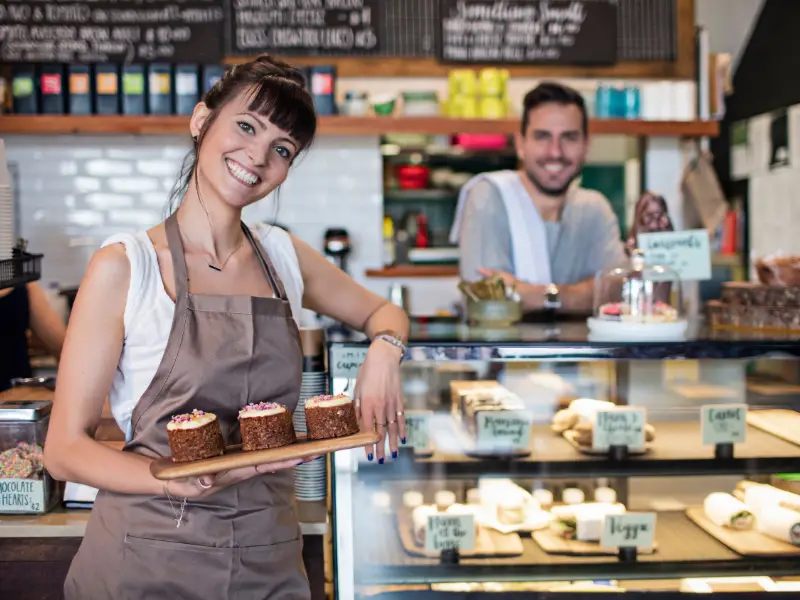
340,125
676,451
683,550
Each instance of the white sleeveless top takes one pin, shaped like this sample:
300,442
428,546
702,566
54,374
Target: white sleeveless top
149,311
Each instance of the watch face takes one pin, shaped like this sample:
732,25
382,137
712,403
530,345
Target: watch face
552,299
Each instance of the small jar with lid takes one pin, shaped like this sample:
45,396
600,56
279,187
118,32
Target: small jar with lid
25,485
421,104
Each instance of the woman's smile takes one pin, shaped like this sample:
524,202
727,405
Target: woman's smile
241,173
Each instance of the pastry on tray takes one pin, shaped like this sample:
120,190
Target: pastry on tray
659,312
583,522
266,425
726,511
330,417
194,436
579,417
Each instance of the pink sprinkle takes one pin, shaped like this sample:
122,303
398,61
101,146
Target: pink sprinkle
186,417
260,406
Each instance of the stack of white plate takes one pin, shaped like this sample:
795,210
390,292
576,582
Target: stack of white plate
6,208
309,478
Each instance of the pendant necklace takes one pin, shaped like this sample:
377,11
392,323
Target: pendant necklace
219,269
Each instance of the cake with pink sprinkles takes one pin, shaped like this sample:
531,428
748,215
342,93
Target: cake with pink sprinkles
330,417
266,425
194,436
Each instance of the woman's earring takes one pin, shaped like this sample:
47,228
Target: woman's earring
194,137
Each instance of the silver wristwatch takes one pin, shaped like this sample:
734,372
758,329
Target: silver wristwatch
552,298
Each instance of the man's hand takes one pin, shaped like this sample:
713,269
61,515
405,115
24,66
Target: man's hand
532,295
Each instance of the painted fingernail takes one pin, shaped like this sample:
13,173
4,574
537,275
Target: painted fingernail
301,462
369,457
380,461
403,440
394,453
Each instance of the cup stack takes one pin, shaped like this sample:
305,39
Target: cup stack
6,208
310,482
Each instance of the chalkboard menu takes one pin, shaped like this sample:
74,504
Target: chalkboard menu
306,27
528,31
93,31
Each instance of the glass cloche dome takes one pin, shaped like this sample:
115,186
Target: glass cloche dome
641,294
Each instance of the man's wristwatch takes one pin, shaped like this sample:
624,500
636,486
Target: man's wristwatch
552,298
390,337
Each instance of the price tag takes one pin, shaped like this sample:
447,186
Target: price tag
686,252
447,532
630,530
417,429
724,424
623,426
21,495
504,430
345,362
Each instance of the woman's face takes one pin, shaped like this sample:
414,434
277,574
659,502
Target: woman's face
653,217
243,157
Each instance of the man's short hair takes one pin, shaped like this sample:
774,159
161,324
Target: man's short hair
550,92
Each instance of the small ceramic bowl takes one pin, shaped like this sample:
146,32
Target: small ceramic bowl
383,105
494,313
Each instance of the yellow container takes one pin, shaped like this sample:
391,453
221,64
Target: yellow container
492,108
493,82
463,82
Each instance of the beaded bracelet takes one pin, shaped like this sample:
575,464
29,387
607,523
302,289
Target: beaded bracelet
394,341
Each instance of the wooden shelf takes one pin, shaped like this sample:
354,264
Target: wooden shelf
172,125
414,271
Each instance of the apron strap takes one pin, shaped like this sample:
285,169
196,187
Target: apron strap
179,269
266,265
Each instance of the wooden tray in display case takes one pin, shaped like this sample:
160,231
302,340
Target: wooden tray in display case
552,543
234,457
749,542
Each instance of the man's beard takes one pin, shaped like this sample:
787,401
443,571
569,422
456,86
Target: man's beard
549,191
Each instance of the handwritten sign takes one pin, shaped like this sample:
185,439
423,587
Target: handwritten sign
623,426
504,430
630,530
723,424
96,31
345,362
686,252
448,532
418,425
528,31
21,496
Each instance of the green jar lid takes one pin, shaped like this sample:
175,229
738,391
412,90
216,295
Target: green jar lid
420,97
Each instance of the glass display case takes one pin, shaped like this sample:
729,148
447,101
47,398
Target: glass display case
538,461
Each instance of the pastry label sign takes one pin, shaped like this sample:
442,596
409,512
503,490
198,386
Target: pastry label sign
345,362
630,530
504,430
724,424
418,429
686,252
623,426
448,532
21,495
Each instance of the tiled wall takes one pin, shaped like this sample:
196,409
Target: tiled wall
74,191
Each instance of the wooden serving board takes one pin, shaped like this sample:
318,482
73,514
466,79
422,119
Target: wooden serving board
571,437
488,543
749,542
234,458
552,543
782,423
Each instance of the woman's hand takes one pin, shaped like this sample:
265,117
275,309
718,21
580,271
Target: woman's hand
379,400
206,485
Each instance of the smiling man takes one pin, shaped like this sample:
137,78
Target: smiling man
536,226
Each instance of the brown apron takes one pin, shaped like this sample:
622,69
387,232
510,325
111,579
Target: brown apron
244,541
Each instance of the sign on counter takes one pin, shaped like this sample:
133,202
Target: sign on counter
120,31
528,31
688,253
345,362
623,426
448,532
418,424
629,530
21,496
307,27
724,424
503,430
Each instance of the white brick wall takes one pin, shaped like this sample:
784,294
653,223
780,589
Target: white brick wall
75,191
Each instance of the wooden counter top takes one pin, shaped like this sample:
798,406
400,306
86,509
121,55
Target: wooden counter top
72,522
414,271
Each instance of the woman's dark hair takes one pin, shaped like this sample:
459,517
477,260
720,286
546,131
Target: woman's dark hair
549,92
277,91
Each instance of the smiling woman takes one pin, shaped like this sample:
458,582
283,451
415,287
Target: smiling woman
200,314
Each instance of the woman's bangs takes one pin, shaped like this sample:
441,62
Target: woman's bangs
282,102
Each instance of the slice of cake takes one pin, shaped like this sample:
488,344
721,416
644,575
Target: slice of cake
330,417
266,425
194,436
